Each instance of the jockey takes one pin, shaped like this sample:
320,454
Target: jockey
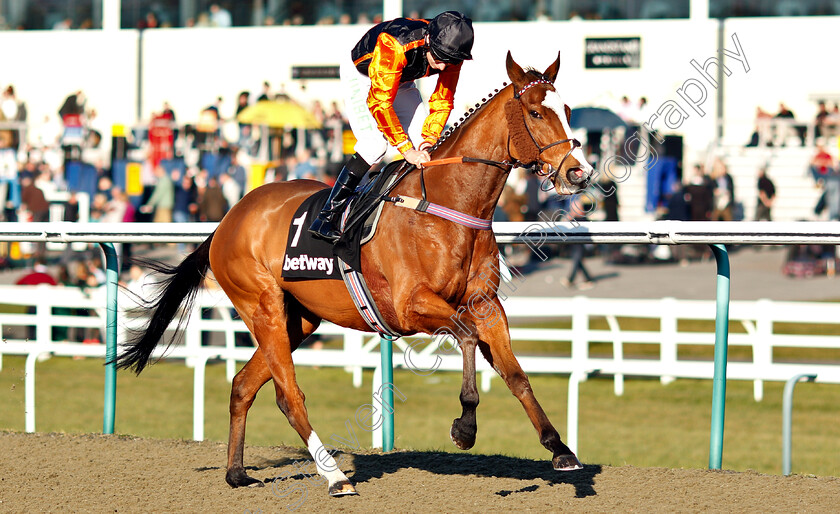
384,106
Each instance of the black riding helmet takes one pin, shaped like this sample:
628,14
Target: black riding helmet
451,37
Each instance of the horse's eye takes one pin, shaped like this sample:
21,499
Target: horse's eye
536,115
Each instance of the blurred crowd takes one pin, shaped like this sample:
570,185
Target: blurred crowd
169,171
162,170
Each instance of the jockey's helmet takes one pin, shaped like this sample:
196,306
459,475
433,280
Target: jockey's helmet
451,37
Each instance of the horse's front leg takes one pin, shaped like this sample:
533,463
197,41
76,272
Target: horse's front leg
494,341
464,429
433,315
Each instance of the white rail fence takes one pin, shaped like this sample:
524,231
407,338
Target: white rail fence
45,308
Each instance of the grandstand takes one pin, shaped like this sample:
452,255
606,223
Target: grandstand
128,74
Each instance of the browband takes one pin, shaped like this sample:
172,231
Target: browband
530,85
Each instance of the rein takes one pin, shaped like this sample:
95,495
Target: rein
534,162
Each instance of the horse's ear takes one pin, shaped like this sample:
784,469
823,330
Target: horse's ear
551,71
515,72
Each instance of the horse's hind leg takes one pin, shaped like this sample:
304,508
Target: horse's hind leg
279,327
246,383
494,342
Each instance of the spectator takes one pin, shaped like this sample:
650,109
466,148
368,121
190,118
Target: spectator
820,119
786,114
230,189
761,133
162,199
626,110
244,128
72,113
63,24
39,274
577,212
219,16
305,167
266,92
33,199
149,22
185,205
723,193
212,205
139,284
237,171
822,164
609,201
677,208
766,195
9,111
821,167
118,209
699,195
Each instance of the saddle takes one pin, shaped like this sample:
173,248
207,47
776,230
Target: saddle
310,258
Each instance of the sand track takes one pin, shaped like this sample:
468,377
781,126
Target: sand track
96,473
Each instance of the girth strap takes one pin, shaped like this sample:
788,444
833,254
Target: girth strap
442,212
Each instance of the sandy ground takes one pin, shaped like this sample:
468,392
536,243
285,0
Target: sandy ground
97,473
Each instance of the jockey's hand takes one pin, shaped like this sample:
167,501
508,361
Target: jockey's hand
417,157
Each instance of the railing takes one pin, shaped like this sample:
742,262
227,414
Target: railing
535,235
360,351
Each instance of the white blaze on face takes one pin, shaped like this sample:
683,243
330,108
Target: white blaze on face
555,103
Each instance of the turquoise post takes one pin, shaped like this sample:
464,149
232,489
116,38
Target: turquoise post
386,354
112,275
721,348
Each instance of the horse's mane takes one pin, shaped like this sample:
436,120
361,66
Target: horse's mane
466,116
537,75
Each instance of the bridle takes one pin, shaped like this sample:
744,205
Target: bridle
537,165
527,147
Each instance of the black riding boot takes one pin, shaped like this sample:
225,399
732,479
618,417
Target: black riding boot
324,227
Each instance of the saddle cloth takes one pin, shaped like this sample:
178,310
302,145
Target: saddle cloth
310,258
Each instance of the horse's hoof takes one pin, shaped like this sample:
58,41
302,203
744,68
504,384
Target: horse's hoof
342,488
463,440
239,478
566,463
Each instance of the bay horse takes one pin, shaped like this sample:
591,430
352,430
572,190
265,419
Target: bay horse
420,268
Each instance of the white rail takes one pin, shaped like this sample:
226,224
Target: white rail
360,351
533,233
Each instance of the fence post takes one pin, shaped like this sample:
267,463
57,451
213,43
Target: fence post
668,341
618,354
112,276
580,331
573,409
199,363
721,348
787,418
29,391
762,344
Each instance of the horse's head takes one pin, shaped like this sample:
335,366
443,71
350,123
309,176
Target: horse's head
541,137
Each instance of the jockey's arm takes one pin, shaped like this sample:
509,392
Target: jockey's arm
385,70
441,103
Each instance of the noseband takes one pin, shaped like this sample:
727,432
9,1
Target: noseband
532,155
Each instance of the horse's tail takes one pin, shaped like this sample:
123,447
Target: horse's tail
179,287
